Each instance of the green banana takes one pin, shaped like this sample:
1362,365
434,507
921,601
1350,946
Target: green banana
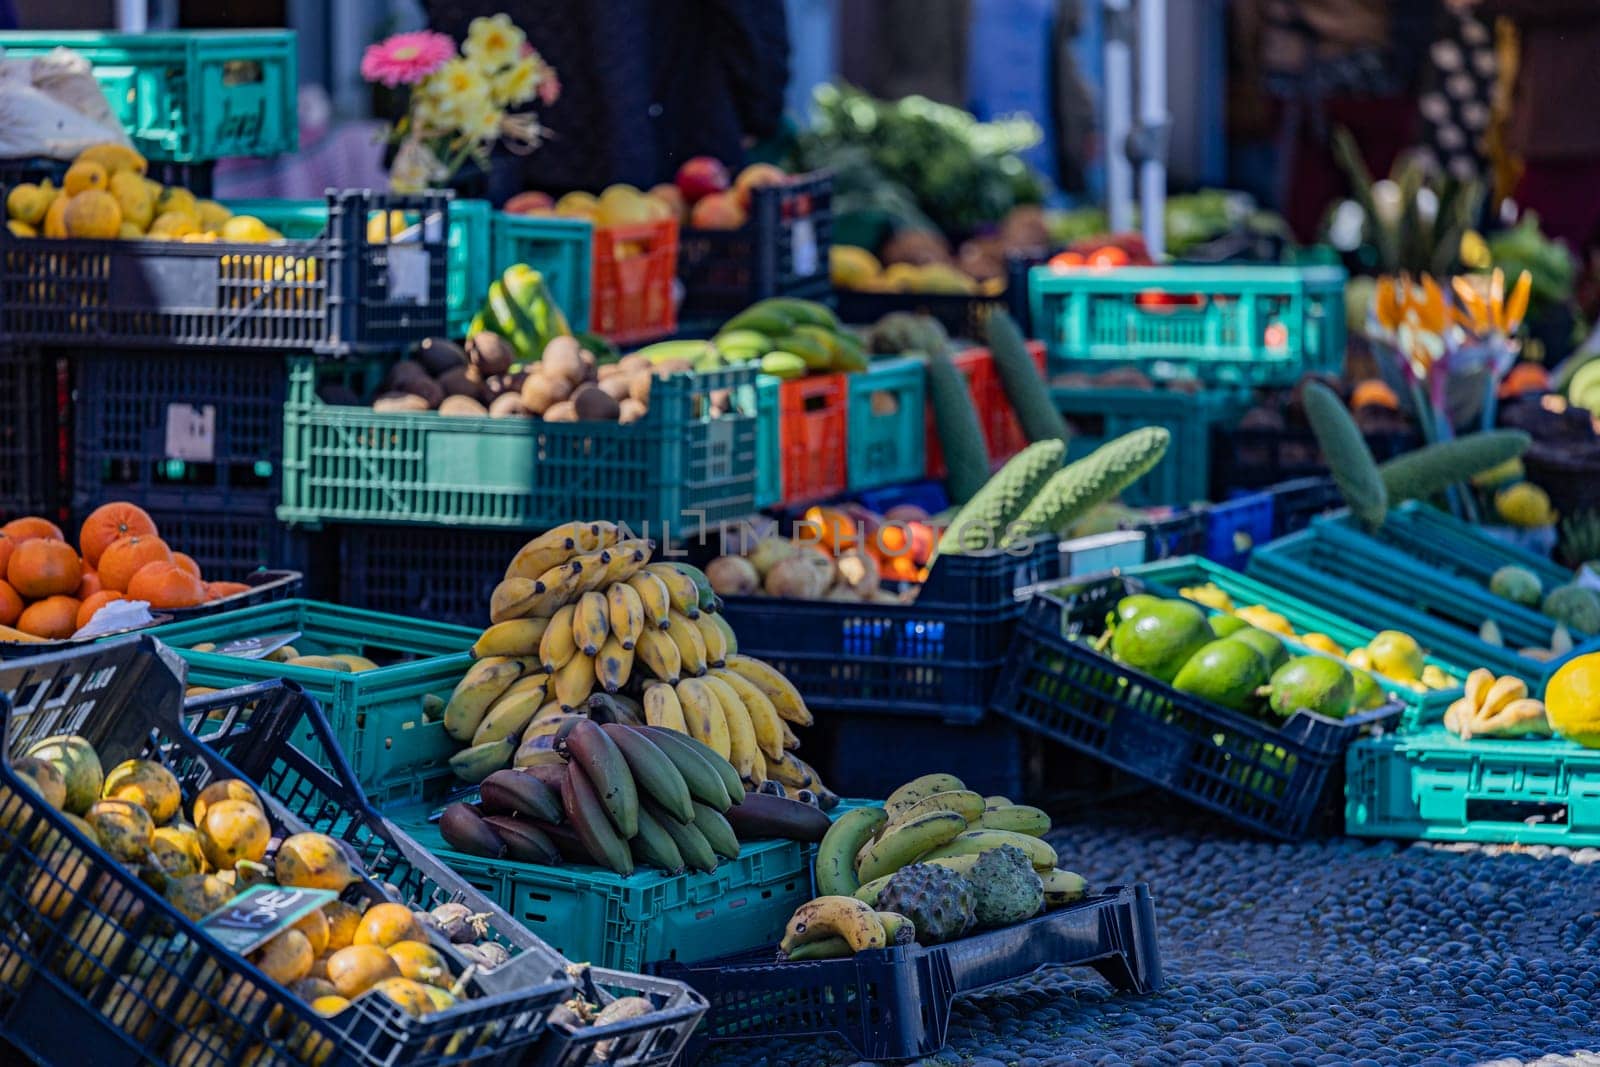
868,893
730,777
964,802
653,845
836,855
513,324
525,286
591,822
478,762
818,356
764,320
799,311
705,784
904,843
917,788
663,351
897,929
832,947
653,773
742,344
588,746
709,821
692,844
1041,855
708,600
1020,818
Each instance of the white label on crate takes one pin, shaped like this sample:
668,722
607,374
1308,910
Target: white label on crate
192,432
408,274
803,246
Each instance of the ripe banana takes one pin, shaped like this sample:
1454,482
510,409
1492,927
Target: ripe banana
556,587
613,665
661,708
897,929
559,643
478,762
710,822
707,597
763,716
758,765
708,723
575,681
481,686
691,647
548,720
549,549
627,559
712,639
904,843
654,774
591,822
514,637
599,535
744,753
784,696
589,626
963,802
511,713
514,598
962,865
836,855
653,845
1019,818
1041,855
681,591
729,641
790,741
659,655
789,772
624,613
699,774
653,594
539,752
839,916
1062,887
692,844
917,788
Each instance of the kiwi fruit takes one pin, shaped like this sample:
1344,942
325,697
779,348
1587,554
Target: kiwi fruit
462,405
439,354
463,381
490,353
594,405
562,360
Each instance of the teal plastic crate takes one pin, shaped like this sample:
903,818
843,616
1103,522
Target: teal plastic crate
466,247
1184,473
591,915
769,447
1374,584
1255,325
1441,540
1433,786
1168,576
885,442
377,715
560,249
675,470
191,96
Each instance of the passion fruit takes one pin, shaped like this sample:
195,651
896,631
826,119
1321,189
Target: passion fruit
421,962
342,922
233,830
147,784
224,789
313,861
315,927
286,958
198,895
356,969
386,924
412,997
80,768
123,828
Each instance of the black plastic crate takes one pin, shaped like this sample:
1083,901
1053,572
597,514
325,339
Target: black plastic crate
960,314
1255,459
158,427
31,430
653,1040
938,656
781,251
441,573
894,1004
1284,780
865,755
337,293
82,922
195,177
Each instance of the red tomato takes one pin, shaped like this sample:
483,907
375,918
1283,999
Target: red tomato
1109,256
1062,260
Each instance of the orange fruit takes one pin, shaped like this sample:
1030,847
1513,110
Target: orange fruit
186,561
10,605
93,603
107,523
123,557
218,590
42,567
166,585
31,526
53,617
88,585
7,545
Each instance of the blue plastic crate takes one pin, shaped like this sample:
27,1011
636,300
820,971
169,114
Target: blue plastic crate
1235,527
769,446
929,496
559,249
884,433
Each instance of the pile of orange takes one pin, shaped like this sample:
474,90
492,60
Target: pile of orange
50,589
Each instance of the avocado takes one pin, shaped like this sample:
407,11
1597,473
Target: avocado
1265,643
1368,694
1130,607
1313,683
1160,639
1227,625
1226,672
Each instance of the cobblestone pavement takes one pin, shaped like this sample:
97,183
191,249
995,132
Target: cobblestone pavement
1333,952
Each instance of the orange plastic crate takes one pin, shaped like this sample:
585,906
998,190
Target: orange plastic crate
1002,433
631,292
813,414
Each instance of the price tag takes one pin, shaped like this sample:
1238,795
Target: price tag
803,247
260,913
408,273
192,432
256,647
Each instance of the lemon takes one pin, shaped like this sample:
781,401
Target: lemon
1572,700
1209,595
1322,643
171,225
1434,678
245,228
21,229
115,158
133,197
1265,618
28,203
1525,504
1360,659
1396,655
212,214
93,213
55,218
174,198
84,176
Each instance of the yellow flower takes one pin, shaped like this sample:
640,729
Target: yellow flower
457,83
493,43
518,83
479,119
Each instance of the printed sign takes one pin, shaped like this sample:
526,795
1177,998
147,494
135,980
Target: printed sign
257,647
192,432
260,913
408,273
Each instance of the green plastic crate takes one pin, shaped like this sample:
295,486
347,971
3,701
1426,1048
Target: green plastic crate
1433,786
1369,582
677,469
1253,325
1168,576
769,447
1441,540
191,96
1184,473
377,715
467,279
560,249
591,915
885,439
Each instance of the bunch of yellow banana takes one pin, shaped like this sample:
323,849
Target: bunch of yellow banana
584,625
1496,707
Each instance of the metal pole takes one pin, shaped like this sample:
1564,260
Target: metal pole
1153,121
133,16
1118,113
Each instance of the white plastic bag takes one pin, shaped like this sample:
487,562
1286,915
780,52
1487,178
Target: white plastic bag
69,78
33,123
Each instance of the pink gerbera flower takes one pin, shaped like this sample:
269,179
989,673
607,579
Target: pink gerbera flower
406,58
